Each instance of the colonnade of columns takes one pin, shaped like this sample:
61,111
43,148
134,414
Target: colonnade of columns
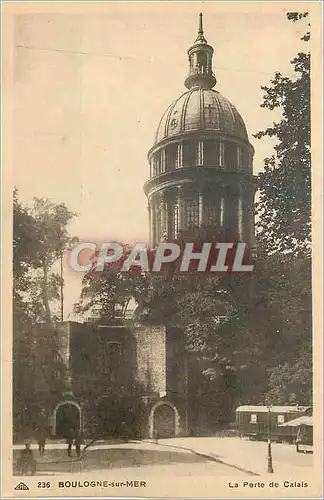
175,210
159,163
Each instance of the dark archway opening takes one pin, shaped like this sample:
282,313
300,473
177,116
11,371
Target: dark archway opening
67,420
164,421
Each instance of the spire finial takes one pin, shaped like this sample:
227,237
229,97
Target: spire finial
200,62
200,37
201,29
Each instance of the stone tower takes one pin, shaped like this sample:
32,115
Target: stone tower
201,161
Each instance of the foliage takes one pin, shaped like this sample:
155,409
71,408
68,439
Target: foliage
284,228
106,295
39,235
291,382
285,185
237,327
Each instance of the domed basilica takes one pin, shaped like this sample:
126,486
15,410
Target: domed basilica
201,161
135,379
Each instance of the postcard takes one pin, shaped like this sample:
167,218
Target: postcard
162,250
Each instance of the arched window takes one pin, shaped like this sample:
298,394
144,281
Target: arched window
171,156
190,154
231,155
211,153
157,163
191,214
211,214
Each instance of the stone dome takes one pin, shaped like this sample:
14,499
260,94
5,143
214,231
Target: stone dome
201,163
201,109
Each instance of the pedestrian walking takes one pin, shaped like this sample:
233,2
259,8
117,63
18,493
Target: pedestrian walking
156,436
78,442
41,440
124,431
69,440
26,462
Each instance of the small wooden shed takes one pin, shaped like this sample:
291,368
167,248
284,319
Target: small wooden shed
304,436
253,421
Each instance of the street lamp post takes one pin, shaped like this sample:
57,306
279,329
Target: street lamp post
270,467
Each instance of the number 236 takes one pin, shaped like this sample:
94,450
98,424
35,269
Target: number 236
42,484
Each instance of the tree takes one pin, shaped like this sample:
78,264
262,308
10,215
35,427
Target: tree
285,185
39,235
283,278
106,295
51,221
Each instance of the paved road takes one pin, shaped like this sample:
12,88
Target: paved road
182,455
120,460
250,455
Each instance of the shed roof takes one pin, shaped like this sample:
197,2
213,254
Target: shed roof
296,422
274,409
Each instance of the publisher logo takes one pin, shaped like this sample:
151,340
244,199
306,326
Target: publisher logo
21,487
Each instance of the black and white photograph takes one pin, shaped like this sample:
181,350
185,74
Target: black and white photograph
162,302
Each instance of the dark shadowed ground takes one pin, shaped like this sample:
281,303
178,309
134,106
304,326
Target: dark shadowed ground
58,461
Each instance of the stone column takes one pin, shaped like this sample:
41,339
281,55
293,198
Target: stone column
221,153
175,218
240,216
200,153
163,215
162,153
200,208
158,211
179,155
222,210
180,209
239,157
166,215
154,220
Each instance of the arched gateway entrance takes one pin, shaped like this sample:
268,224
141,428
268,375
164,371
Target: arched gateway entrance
66,417
164,420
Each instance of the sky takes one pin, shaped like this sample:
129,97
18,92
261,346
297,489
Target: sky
90,86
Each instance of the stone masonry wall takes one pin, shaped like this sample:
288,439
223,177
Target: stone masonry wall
151,358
